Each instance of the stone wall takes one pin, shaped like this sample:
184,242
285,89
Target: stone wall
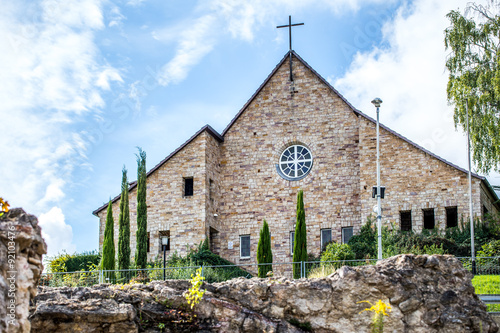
414,180
427,294
21,250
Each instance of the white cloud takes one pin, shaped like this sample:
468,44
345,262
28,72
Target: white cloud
57,234
52,76
195,43
409,76
240,18
135,3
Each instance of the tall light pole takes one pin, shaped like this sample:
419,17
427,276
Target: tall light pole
472,250
377,101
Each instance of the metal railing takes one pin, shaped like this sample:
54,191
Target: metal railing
304,269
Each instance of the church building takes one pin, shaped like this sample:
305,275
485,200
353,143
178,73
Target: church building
295,133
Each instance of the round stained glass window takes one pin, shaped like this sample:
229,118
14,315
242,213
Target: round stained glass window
295,162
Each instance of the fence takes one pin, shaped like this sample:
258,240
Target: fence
304,269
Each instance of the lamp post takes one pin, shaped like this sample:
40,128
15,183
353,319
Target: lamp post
377,101
164,243
472,250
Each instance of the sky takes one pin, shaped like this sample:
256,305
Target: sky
83,83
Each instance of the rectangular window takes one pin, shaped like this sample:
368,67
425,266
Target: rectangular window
211,189
347,233
147,246
451,217
428,218
292,241
188,187
326,237
405,220
485,211
245,246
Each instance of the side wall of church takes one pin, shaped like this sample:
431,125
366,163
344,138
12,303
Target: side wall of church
252,190
414,180
487,201
168,208
212,195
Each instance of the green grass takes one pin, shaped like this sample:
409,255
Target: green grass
488,284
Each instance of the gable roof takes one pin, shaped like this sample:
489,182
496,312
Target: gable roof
358,113
133,184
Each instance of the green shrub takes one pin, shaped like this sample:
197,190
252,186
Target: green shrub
335,252
200,256
491,249
141,255
264,252
300,241
364,245
64,262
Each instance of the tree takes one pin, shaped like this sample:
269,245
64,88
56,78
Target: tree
124,226
108,246
474,79
300,240
141,254
264,252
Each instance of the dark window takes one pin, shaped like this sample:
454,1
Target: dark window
245,246
346,234
292,241
147,245
451,217
188,187
405,220
485,211
326,237
211,190
428,218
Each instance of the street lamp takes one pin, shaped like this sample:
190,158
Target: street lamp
472,250
377,101
164,244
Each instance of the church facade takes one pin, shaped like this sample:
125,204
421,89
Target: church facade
291,136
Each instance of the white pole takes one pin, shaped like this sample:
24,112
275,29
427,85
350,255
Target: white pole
379,201
473,254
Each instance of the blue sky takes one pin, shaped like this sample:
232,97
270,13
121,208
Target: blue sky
84,82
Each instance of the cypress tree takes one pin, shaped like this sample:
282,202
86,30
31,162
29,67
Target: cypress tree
141,254
300,240
264,252
124,226
108,246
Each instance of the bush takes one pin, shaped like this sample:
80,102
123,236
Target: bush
491,249
364,245
335,252
200,256
64,262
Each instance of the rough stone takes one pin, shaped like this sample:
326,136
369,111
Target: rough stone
424,298
21,250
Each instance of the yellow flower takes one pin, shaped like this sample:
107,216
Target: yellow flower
5,205
379,307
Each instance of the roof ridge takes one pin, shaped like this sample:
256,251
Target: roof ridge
133,184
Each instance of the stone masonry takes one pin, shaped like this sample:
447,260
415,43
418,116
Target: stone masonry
427,294
237,186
